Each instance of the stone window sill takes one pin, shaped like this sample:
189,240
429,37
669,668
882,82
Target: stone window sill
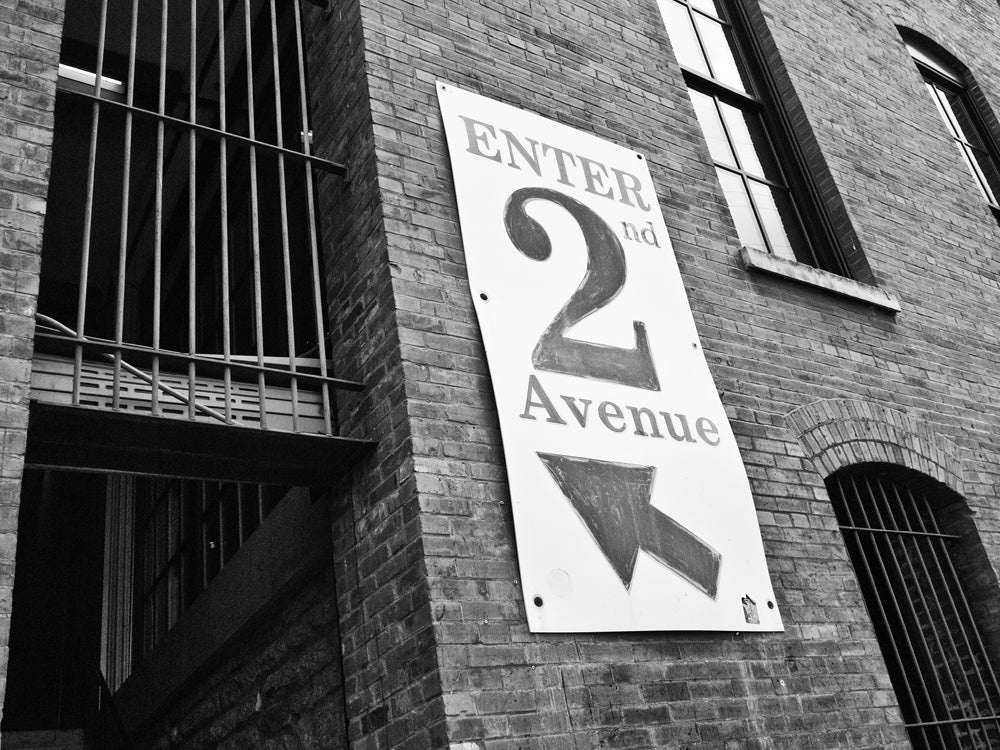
758,260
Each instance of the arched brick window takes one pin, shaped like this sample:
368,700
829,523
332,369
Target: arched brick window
904,533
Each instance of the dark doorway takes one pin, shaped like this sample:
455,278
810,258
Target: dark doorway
56,619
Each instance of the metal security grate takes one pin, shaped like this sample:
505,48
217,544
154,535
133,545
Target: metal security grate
181,255
946,686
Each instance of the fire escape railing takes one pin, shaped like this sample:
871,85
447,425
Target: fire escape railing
199,285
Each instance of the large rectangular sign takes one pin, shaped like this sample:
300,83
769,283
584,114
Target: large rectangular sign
632,509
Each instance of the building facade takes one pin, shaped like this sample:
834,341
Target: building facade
254,490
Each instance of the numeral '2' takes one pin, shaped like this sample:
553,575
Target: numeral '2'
602,281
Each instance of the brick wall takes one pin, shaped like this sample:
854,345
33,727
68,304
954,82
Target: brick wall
431,623
28,61
895,186
390,664
279,685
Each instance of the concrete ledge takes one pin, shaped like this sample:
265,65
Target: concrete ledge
758,260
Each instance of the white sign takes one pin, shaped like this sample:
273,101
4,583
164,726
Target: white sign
632,509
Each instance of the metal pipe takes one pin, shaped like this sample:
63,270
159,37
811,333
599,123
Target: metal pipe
123,237
234,138
314,259
192,209
224,212
137,372
88,211
283,212
255,220
158,210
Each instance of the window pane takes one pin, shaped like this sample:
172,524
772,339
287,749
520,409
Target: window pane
954,110
719,48
975,167
682,38
963,119
739,206
778,217
752,146
711,125
947,113
988,169
708,6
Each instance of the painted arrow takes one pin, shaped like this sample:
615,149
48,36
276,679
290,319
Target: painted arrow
613,499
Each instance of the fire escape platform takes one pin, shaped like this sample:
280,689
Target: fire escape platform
88,439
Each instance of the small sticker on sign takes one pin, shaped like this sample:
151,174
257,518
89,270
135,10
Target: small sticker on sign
750,611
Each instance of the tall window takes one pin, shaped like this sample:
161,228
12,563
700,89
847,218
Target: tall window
928,632
181,270
767,197
977,148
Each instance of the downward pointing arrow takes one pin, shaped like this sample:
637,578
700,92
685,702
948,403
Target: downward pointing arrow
613,499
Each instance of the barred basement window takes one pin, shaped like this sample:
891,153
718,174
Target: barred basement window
769,196
946,84
181,270
930,636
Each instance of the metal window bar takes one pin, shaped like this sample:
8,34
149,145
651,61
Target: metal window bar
272,53
948,691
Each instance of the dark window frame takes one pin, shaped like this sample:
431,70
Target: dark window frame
818,246
947,77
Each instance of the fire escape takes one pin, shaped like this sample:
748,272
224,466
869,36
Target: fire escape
181,325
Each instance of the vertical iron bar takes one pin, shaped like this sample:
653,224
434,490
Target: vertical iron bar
88,212
158,212
173,502
895,605
841,486
283,209
255,222
224,211
923,601
914,620
123,238
239,511
219,495
182,513
206,550
192,208
910,503
318,310
942,552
